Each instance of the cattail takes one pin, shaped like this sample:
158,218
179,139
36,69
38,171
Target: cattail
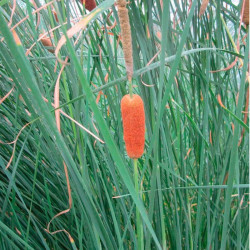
133,118
55,15
89,4
245,18
126,36
47,43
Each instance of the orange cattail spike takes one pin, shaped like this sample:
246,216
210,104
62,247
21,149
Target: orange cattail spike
89,4
133,117
47,43
55,15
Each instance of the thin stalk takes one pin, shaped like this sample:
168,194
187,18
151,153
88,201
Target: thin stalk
139,227
163,229
130,89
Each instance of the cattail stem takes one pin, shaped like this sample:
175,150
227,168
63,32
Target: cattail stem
139,227
130,89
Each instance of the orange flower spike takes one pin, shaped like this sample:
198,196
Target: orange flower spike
47,43
133,117
55,15
89,4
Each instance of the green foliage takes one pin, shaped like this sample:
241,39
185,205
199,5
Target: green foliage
194,172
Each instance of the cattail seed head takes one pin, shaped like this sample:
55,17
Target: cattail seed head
55,15
47,43
245,18
133,117
89,4
126,36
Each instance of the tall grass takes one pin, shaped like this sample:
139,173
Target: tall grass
194,172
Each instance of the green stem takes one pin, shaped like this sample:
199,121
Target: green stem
139,227
130,89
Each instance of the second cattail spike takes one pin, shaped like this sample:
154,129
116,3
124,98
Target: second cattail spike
126,36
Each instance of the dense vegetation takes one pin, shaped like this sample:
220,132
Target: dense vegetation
194,175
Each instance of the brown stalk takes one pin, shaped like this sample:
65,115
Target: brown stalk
245,18
203,7
126,36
